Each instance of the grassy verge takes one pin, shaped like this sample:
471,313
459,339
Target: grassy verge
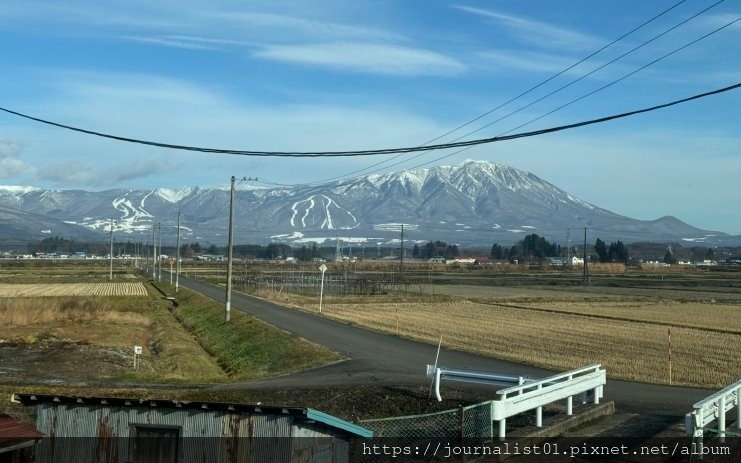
246,348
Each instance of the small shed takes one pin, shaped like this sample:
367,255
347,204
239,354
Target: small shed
16,439
98,429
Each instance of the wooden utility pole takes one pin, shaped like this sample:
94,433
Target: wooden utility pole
228,305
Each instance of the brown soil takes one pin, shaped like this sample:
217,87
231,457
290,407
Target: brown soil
57,362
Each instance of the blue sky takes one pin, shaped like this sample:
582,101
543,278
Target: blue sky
333,75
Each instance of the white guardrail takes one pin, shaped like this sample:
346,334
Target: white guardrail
473,376
529,394
714,408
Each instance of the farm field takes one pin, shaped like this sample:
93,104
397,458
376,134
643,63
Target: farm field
555,322
629,349
80,331
72,289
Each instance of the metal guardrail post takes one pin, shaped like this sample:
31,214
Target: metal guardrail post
502,423
438,372
570,400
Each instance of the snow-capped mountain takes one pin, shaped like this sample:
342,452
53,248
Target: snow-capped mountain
475,202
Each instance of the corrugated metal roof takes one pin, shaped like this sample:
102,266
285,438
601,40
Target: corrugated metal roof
275,428
35,399
14,432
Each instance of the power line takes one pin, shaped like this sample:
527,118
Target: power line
563,87
579,98
526,92
429,148
469,143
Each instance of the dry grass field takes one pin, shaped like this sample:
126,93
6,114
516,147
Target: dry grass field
708,316
632,350
84,338
72,289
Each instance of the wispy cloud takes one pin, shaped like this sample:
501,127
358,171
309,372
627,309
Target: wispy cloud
73,172
721,19
69,173
145,168
536,32
287,28
170,42
178,111
9,165
362,57
523,60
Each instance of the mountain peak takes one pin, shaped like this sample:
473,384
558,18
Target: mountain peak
473,202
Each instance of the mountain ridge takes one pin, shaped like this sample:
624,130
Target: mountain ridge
472,203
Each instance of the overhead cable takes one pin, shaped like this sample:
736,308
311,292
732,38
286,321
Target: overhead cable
375,152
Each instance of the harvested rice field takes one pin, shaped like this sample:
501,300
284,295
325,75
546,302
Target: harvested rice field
633,347
72,289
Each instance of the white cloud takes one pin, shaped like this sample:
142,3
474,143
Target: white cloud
170,42
537,32
360,57
176,111
721,19
9,166
70,172
288,28
523,60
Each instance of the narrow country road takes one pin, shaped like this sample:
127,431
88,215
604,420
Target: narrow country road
381,359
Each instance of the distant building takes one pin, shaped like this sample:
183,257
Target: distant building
123,430
706,263
577,260
558,261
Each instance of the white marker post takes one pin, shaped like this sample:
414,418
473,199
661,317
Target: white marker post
322,269
137,352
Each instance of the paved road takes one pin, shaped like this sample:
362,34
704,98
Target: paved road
381,359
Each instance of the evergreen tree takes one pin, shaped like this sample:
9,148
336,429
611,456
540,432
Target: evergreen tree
601,249
618,252
496,252
669,257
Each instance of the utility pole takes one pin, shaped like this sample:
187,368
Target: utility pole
110,274
228,308
159,252
568,249
154,252
585,278
401,255
177,261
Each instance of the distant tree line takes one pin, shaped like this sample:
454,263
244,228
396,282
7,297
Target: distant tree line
532,248
615,252
435,249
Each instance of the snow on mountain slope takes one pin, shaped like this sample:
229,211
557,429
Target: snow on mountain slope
472,202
